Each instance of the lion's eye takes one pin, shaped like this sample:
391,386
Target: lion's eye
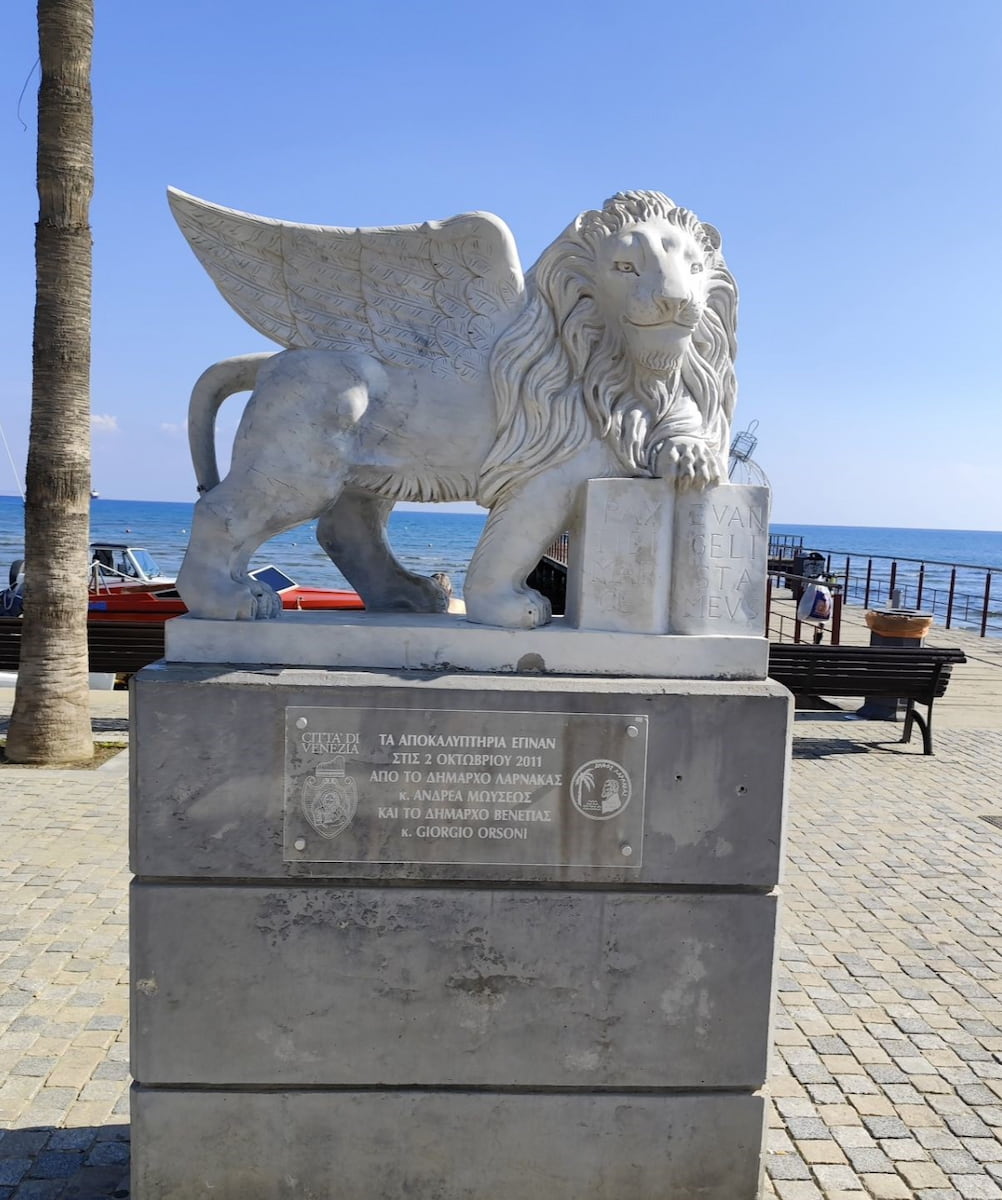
627,268
695,268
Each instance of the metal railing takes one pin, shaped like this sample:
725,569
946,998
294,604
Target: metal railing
959,594
557,550
785,545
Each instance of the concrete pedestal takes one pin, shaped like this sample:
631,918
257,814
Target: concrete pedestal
575,1005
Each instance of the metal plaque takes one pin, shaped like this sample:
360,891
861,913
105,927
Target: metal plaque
399,785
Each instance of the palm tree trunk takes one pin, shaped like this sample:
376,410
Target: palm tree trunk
50,722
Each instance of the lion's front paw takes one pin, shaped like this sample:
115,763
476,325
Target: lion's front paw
524,609
691,462
265,601
214,596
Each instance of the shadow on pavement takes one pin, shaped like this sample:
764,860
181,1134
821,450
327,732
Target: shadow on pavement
42,1162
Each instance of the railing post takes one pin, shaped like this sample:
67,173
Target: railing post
836,637
796,630
768,603
869,576
949,599
988,600
893,579
921,581
846,585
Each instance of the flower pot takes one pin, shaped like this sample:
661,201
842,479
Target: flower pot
899,624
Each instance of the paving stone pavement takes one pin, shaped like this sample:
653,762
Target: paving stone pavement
887,1070
64,1102
887,1073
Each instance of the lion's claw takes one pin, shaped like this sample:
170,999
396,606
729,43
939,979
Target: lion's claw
690,462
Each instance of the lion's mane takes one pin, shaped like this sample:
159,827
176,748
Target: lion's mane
561,376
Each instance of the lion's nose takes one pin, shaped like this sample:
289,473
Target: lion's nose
671,293
671,301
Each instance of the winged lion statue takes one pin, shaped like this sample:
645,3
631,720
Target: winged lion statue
421,363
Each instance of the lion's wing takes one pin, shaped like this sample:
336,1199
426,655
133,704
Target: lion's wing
436,294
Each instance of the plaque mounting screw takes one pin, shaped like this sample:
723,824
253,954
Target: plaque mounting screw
632,731
301,722
300,843
626,851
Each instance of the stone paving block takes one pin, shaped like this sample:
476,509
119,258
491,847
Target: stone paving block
886,1127
871,1106
56,1164
985,1150
973,1187
868,1160
804,1128
967,1125
923,1175
887,1187
12,1170
796,1189
904,1150
821,1152
105,1154
41,1189
838,1178
786,1166
956,1162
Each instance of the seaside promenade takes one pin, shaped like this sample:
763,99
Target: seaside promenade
886,1078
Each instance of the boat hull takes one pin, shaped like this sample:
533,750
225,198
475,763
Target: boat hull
159,603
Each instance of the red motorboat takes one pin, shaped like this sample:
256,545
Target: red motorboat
126,585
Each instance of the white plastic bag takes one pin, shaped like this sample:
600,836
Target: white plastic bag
815,604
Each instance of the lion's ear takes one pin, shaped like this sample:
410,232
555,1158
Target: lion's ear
712,235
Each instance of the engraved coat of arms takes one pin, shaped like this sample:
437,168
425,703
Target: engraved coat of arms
330,798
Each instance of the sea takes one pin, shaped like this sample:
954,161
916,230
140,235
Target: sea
432,540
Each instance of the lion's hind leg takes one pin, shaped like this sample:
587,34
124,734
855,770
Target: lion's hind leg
352,531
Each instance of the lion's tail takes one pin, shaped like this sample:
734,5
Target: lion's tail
213,386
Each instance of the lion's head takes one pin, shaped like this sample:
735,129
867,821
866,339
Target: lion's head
629,332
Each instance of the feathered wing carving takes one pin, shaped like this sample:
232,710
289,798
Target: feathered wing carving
434,295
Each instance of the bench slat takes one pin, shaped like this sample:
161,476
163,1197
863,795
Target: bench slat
113,647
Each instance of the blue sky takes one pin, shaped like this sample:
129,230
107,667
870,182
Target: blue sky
849,154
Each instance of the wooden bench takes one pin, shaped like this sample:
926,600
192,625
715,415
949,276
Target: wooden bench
918,676
114,647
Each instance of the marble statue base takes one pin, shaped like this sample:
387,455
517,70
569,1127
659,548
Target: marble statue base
445,641
451,935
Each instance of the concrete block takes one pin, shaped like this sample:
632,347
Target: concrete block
454,987
346,1145
209,773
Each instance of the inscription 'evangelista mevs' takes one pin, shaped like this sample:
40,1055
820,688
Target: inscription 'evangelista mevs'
421,364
